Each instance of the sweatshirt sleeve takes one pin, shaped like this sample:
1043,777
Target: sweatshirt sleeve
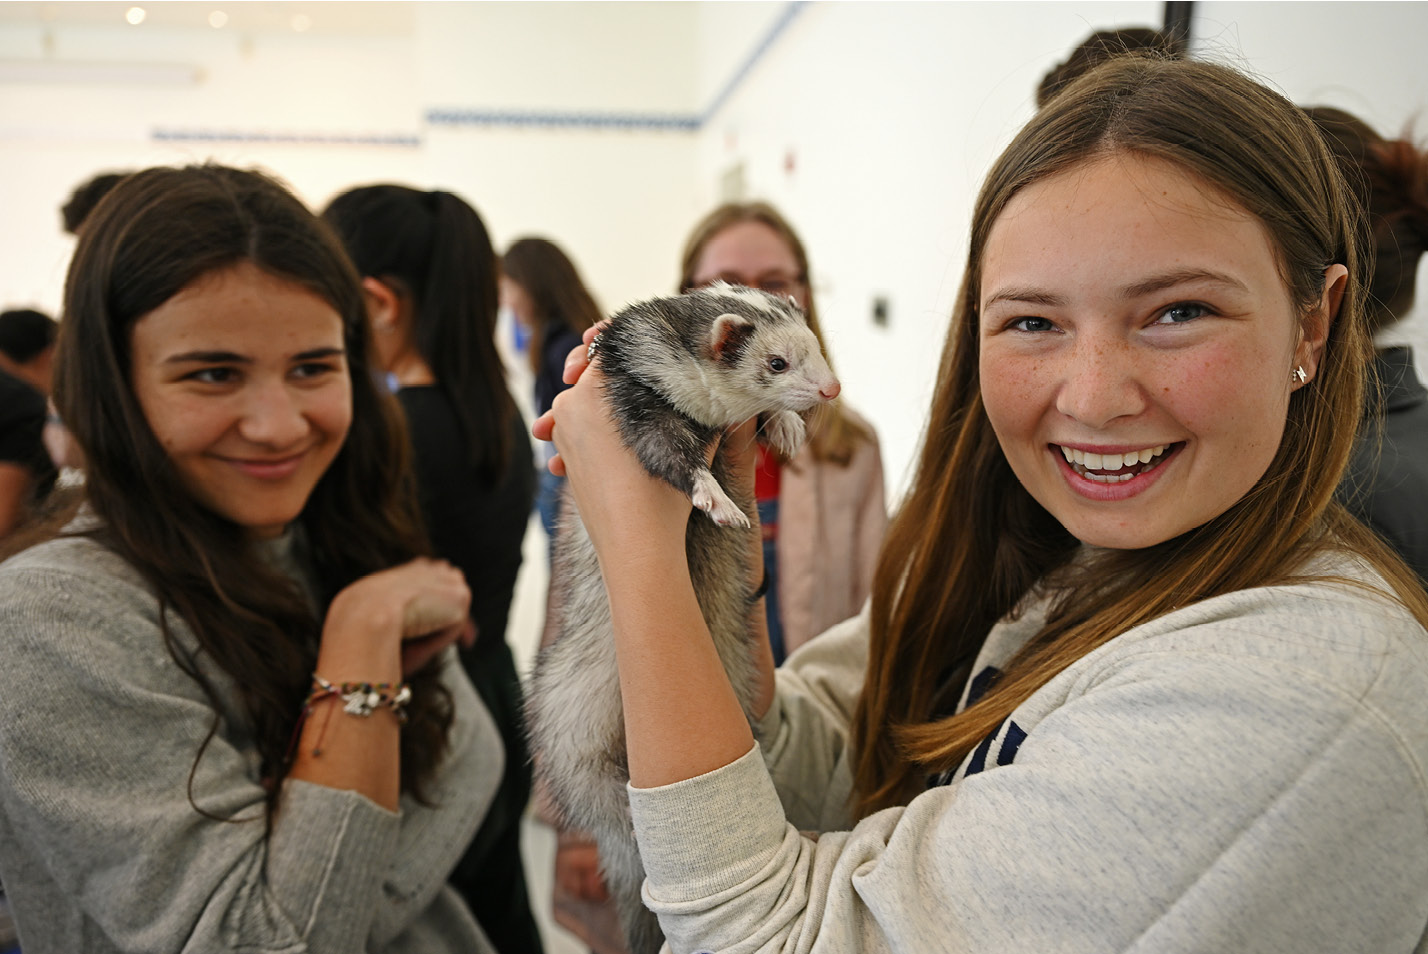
146,816
1166,802
805,734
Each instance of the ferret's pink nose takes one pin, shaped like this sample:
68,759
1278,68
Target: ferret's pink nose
829,391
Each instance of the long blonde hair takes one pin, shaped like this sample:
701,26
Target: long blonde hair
835,435
969,542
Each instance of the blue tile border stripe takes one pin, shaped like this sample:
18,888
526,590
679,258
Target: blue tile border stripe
575,119
402,140
509,118
564,120
792,10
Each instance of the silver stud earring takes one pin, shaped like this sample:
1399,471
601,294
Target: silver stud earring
1298,375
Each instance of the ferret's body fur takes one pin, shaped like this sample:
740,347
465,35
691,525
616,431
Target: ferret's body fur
678,371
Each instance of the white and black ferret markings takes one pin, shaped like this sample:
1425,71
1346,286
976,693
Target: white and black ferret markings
678,371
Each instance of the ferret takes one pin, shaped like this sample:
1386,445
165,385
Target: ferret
678,372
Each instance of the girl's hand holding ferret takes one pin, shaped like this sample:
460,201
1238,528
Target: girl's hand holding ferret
575,364
741,442
623,508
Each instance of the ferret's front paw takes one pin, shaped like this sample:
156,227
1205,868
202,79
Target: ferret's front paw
784,430
710,497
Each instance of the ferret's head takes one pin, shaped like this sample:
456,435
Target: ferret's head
764,355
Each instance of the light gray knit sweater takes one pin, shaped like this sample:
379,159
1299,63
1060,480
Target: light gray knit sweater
100,848
1242,775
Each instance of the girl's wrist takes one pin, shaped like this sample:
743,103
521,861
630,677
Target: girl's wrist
642,525
638,566
356,659
361,641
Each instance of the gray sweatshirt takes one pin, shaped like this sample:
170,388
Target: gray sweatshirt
1243,775
100,848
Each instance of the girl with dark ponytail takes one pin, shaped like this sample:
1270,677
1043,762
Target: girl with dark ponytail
429,279
227,717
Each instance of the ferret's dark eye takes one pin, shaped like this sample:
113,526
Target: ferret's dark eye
778,365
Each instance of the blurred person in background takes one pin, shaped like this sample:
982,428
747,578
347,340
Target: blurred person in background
542,289
85,197
1386,485
27,471
429,279
823,512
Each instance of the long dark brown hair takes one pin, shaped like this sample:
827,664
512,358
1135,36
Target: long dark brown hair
157,233
434,249
553,284
969,542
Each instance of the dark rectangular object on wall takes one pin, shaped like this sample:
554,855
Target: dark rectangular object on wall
1177,23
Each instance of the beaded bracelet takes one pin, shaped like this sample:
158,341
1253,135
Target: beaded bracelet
362,698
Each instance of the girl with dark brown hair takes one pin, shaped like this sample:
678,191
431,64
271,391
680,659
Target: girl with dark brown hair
1130,679
429,279
228,717
1386,485
542,288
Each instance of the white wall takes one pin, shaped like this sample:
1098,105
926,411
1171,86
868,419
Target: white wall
54,135
1366,58
869,123
614,198
618,199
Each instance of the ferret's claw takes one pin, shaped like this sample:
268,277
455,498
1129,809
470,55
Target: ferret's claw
706,493
785,431
710,497
730,516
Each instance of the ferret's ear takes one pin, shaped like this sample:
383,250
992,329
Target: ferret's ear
727,336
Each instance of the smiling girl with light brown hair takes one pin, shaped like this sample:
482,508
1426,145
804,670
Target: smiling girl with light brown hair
1131,680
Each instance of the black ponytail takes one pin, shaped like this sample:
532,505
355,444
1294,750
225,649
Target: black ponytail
434,248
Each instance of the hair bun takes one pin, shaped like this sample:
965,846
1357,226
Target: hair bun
1401,169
